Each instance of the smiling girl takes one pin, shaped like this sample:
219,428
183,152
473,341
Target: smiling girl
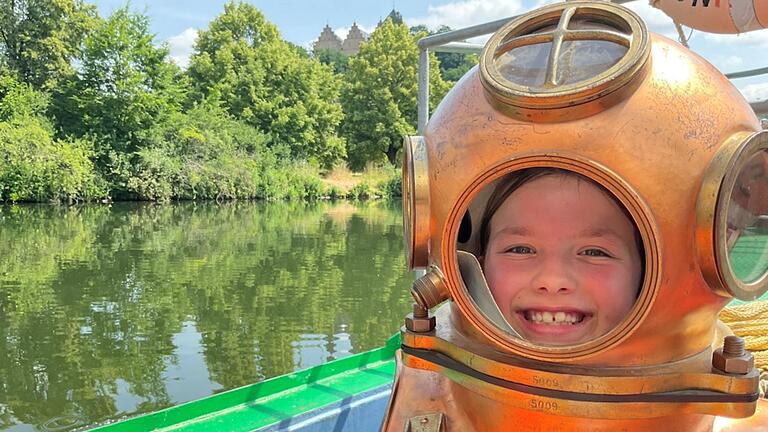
562,257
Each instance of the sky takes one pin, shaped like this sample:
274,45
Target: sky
176,23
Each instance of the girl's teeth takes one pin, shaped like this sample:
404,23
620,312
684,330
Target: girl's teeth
553,318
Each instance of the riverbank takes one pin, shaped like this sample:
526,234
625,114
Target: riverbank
298,181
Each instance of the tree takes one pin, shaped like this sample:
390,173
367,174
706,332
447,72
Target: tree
39,38
124,85
454,65
242,63
333,58
380,95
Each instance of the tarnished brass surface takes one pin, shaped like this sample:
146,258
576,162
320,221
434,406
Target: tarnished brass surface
706,240
419,321
735,286
470,404
757,423
423,391
641,147
740,364
732,357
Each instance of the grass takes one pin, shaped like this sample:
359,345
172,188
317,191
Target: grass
350,183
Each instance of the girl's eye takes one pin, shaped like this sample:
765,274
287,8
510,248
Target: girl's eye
595,253
519,250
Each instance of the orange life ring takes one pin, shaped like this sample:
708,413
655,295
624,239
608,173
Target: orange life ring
717,16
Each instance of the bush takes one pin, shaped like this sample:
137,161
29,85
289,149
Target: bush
156,176
393,186
362,191
38,168
19,100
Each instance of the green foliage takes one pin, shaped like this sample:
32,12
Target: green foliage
333,58
298,181
124,86
393,186
201,154
39,168
254,117
457,65
241,63
19,100
453,66
39,38
206,154
362,191
380,95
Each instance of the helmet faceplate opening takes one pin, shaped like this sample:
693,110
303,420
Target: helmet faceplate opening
477,299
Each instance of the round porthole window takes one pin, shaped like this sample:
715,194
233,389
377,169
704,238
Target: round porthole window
564,55
733,218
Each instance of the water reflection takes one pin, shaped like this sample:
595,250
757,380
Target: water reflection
106,311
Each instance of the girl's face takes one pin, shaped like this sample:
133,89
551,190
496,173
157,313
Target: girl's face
562,261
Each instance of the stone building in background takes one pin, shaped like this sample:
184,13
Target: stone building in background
349,46
355,37
328,40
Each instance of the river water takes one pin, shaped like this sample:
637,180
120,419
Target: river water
114,310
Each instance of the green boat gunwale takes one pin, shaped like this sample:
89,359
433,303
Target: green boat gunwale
284,391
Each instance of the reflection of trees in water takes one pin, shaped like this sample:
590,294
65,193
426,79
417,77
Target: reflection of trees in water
93,295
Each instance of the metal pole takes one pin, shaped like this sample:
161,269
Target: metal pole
460,48
462,34
423,108
747,73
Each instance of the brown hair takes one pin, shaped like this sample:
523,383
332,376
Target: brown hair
514,180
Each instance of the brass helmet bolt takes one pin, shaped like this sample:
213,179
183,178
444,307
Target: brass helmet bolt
733,358
733,346
419,321
419,312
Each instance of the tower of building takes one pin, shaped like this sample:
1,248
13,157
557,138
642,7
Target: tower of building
328,40
355,37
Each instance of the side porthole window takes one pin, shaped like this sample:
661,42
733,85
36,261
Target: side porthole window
732,218
747,220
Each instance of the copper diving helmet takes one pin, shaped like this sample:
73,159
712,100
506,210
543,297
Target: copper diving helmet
582,87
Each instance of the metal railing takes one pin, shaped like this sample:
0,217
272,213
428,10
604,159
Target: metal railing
454,42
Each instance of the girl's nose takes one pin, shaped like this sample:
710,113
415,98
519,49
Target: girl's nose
554,276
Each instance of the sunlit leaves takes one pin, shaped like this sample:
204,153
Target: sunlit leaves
124,86
241,62
39,38
380,95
